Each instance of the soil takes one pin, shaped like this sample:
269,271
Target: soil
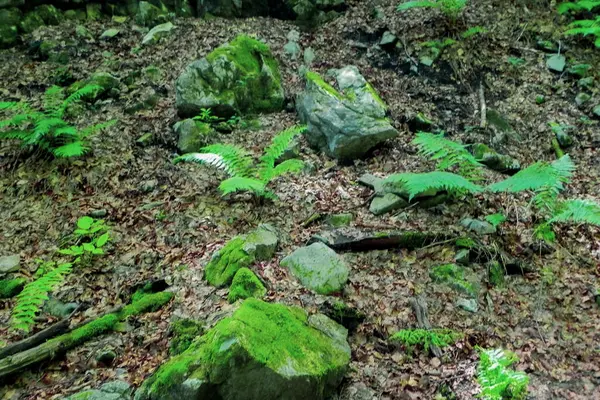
168,219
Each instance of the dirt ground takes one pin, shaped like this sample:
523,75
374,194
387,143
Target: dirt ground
168,219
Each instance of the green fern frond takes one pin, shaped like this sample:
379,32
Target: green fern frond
73,149
495,219
33,296
237,160
67,130
587,5
212,159
578,211
43,128
448,154
86,91
15,134
8,105
427,337
287,167
416,4
279,145
95,128
53,98
416,184
242,184
497,380
475,30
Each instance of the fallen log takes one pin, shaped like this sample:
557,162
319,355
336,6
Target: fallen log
54,348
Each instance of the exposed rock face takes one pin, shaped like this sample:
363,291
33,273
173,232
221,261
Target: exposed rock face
262,352
318,268
345,124
214,81
116,390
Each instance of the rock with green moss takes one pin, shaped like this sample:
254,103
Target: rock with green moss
11,287
115,390
150,15
11,3
8,36
457,277
107,81
158,32
240,252
496,273
10,16
93,11
262,352
192,135
49,14
383,204
245,284
337,220
311,13
494,160
318,268
30,22
236,78
75,15
344,124
184,332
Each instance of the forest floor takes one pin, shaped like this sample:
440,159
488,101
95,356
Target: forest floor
168,219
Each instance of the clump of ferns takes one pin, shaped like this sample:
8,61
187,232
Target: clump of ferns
247,175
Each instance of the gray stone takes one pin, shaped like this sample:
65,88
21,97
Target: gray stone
149,185
387,203
309,56
214,81
293,35
582,98
318,268
494,160
345,124
388,39
358,391
478,226
596,111
462,257
115,390
9,263
468,305
158,32
109,34
192,135
292,49
262,242
58,309
263,351
556,63
100,213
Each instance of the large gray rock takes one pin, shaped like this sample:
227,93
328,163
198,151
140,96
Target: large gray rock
262,352
116,390
318,268
239,77
345,124
9,263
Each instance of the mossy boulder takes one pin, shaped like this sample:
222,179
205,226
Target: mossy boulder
11,287
240,252
457,277
10,16
93,11
494,160
30,22
49,14
262,352
115,390
150,15
184,332
9,263
107,81
11,3
245,284
344,124
192,135
8,36
318,268
236,78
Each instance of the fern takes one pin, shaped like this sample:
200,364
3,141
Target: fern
475,30
47,129
244,174
583,27
448,154
497,380
578,211
581,5
427,338
35,293
416,184
495,219
450,8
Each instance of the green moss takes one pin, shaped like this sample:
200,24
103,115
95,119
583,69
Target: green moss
11,287
496,274
375,95
184,332
226,262
93,329
245,285
465,243
272,334
317,80
337,220
427,337
454,276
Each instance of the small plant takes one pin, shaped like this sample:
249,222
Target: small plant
206,116
427,338
245,174
583,27
448,154
515,61
495,219
90,236
47,129
475,30
497,380
450,8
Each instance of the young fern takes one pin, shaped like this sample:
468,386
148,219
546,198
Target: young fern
577,211
450,8
497,380
35,293
416,184
583,27
427,338
239,165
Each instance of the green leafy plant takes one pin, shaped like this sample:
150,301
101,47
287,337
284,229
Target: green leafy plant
495,219
245,174
427,337
497,380
450,8
515,61
475,30
46,129
206,116
35,293
416,184
583,27
90,236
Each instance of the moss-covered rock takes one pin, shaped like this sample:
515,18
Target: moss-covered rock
150,15
49,14
115,390
236,78
192,135
184,332
11,287
93,11
10,16
30,22
337,220
262,242
225,263
75,15
494,160
456,277
262,352
318,268
8,36
158,32
245,284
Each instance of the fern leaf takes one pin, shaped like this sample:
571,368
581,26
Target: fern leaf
579,211
73,149
416,184
279,144
52,100
34,294
287,167
242,184
42,128
537,176
447,154
15,134
95,128
497,380
236,159
416,4
86,91
67,130
8,105
214,160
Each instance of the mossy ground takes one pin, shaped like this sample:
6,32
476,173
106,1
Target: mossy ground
455,276
226,262
245,284
184,332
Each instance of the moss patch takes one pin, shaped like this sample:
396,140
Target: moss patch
226,262
245,285
317,80
184,332
454,276
11,287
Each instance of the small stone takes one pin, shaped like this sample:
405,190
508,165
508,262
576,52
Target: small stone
556,63
292,49
309,56
478,226
468,305
388,39
262,242
58,309
586,83
462,257
582,98
101,213
435,362
596,111
387,203
82,32
109,34
337,220
149,185
157,33
106,356
293,35
9,263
